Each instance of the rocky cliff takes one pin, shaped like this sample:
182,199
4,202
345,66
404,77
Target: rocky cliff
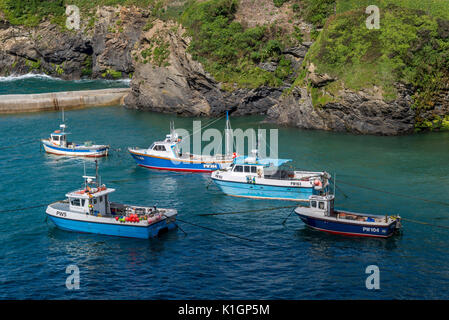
309,64
99,51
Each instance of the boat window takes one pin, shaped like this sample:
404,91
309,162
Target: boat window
238,169
56,138
247,169
314,204
321,205
253,169
83,201
95,200
101,199
75,202
159,148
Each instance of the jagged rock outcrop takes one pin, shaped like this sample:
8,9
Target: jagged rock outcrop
42,49
361,112
101,52
181,85
115,34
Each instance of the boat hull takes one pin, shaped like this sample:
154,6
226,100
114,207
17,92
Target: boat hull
159,163
66,221
94,152
349,229
258,191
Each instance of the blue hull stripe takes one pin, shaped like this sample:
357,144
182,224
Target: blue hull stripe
265,191
121,230
74,150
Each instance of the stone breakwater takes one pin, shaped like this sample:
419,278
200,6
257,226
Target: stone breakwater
17,103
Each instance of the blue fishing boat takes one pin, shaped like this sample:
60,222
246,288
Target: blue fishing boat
89,210
57,144
321,215
166,155
251,177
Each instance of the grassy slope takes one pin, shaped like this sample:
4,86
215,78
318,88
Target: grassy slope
230,52
32,12
411,47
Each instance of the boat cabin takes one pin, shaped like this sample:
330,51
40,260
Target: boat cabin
324,204
91,200
247,169
59,138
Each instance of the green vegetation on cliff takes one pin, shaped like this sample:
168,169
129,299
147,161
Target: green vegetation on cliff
411,47
230,52
32,12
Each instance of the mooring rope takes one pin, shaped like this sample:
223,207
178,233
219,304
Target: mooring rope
19,144
246,211
396,194
425,223
24,208
218,231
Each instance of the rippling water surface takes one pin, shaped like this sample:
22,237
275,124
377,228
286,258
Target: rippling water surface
39,83
283,262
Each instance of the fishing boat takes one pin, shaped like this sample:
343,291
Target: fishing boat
57,144
321,215
251,177
89,210
166,155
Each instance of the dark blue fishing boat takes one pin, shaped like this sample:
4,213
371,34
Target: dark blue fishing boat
321,215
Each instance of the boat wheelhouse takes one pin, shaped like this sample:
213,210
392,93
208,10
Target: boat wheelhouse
251,177
58,144
89,210
166,155
321,215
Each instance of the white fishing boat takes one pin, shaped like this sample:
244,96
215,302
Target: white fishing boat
89,210
58,144
166,155
251,177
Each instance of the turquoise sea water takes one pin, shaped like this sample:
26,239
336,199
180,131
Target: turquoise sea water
32,83
283,262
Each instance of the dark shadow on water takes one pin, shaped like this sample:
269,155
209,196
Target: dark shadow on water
325,239
91,242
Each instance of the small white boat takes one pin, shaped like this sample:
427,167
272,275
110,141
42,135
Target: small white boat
58,144
89,210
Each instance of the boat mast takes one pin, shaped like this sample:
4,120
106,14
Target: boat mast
335,182
228,132
62,126
96,173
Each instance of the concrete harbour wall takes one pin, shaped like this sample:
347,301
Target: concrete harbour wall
17,103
